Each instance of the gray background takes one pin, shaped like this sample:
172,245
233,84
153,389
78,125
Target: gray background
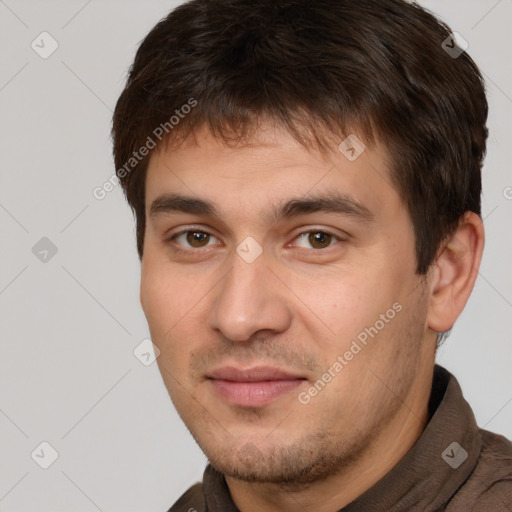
68,375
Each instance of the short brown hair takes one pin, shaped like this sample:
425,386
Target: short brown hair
377,68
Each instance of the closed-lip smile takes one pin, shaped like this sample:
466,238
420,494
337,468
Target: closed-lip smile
253,387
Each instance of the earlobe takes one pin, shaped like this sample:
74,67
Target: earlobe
455,272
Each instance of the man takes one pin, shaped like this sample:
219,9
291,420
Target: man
306,181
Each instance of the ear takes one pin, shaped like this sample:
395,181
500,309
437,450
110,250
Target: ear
454,272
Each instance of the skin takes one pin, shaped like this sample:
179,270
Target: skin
298,306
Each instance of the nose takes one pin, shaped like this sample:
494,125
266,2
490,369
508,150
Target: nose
250,298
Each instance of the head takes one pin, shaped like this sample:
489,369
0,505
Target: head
306,180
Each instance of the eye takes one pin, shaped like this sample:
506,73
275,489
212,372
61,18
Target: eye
198,239
195,238
317,239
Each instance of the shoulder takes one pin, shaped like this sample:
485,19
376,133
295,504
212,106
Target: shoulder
191,500
489,486
495,461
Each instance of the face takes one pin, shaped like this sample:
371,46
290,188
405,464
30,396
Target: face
282,295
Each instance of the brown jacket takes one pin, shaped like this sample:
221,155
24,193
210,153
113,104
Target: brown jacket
453,467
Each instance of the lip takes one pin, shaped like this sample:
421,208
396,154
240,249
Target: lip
253,387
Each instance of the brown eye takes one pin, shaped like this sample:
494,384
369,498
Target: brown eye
191,239
317,239
197,238
320,240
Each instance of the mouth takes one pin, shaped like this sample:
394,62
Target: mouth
253,387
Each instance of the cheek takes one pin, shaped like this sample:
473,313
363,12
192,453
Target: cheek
164,303
174,305
164,306
340,305
351,307
166,294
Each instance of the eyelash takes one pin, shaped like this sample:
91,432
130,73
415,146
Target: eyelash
171,240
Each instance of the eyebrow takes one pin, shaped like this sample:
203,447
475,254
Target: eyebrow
331,202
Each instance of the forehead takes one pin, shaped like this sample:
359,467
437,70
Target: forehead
271,170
